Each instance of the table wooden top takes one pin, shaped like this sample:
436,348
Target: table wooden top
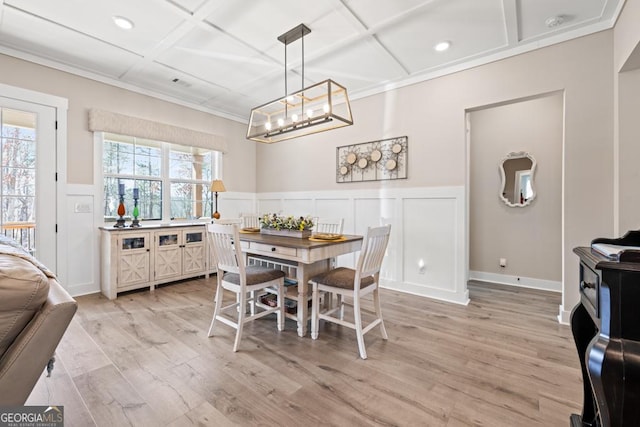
294,242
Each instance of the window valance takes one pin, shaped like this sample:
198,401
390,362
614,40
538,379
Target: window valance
106,121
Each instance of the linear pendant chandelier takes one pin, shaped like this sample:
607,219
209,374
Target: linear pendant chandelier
317,108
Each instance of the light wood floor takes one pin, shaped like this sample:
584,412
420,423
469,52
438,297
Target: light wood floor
145,360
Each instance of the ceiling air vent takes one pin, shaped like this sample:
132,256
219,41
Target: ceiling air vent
181,82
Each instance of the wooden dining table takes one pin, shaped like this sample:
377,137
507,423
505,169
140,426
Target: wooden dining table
301,259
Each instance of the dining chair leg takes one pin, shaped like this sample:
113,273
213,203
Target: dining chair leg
216,309
241,315
280,311
252,304
341,305
378,308
358,324
315,310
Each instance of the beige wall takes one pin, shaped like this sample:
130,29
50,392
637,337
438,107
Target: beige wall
528,237
83,94
432,114
627,110
626,33
629,151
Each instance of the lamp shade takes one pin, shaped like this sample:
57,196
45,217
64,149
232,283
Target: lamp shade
217,186
316,108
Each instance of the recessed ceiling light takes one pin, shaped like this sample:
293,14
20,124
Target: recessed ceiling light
122,22
554,21
442,46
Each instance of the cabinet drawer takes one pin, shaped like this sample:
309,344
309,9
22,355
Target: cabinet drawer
589,289
280,250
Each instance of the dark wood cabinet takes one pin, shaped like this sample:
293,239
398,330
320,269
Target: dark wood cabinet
606,329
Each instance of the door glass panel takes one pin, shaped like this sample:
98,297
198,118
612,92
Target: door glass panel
168,239
133,243
194,237
18,176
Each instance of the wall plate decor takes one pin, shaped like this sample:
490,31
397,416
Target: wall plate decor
373,161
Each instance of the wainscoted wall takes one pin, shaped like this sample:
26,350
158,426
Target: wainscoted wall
427,224
231,204
82,240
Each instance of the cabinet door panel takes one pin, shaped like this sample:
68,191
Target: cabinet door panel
134,268
194,259
168,257
168,262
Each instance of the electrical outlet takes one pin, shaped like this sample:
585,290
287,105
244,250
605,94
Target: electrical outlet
422,268
503,262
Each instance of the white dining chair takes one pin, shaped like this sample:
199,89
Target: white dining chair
355,283
328,225
233,275
228,221
250,220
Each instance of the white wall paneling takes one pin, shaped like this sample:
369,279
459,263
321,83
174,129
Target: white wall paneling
232,204
82,240
426,223
297,207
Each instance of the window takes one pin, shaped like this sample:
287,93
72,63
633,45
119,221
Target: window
190,174
172,180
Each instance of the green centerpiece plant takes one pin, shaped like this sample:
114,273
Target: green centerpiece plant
286,225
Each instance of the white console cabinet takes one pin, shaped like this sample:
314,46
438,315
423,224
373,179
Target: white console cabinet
134,258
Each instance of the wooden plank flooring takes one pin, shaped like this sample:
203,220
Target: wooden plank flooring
145,360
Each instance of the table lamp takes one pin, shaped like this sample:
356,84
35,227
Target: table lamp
216,187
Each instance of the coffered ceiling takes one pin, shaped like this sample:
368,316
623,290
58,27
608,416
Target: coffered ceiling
223,56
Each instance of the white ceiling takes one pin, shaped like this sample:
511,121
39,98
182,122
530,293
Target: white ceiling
227,59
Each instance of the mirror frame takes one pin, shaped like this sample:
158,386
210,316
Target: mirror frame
517,155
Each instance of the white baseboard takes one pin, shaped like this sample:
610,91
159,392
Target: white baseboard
523,282
461,297
564,316
84,289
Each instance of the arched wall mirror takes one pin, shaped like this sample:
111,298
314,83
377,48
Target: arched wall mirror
517,170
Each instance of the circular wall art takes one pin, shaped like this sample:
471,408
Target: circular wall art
383,159
376,155
391,164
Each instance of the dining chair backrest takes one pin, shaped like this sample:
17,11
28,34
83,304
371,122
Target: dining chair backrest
373,250
329,225
228,221
227,254
250,220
